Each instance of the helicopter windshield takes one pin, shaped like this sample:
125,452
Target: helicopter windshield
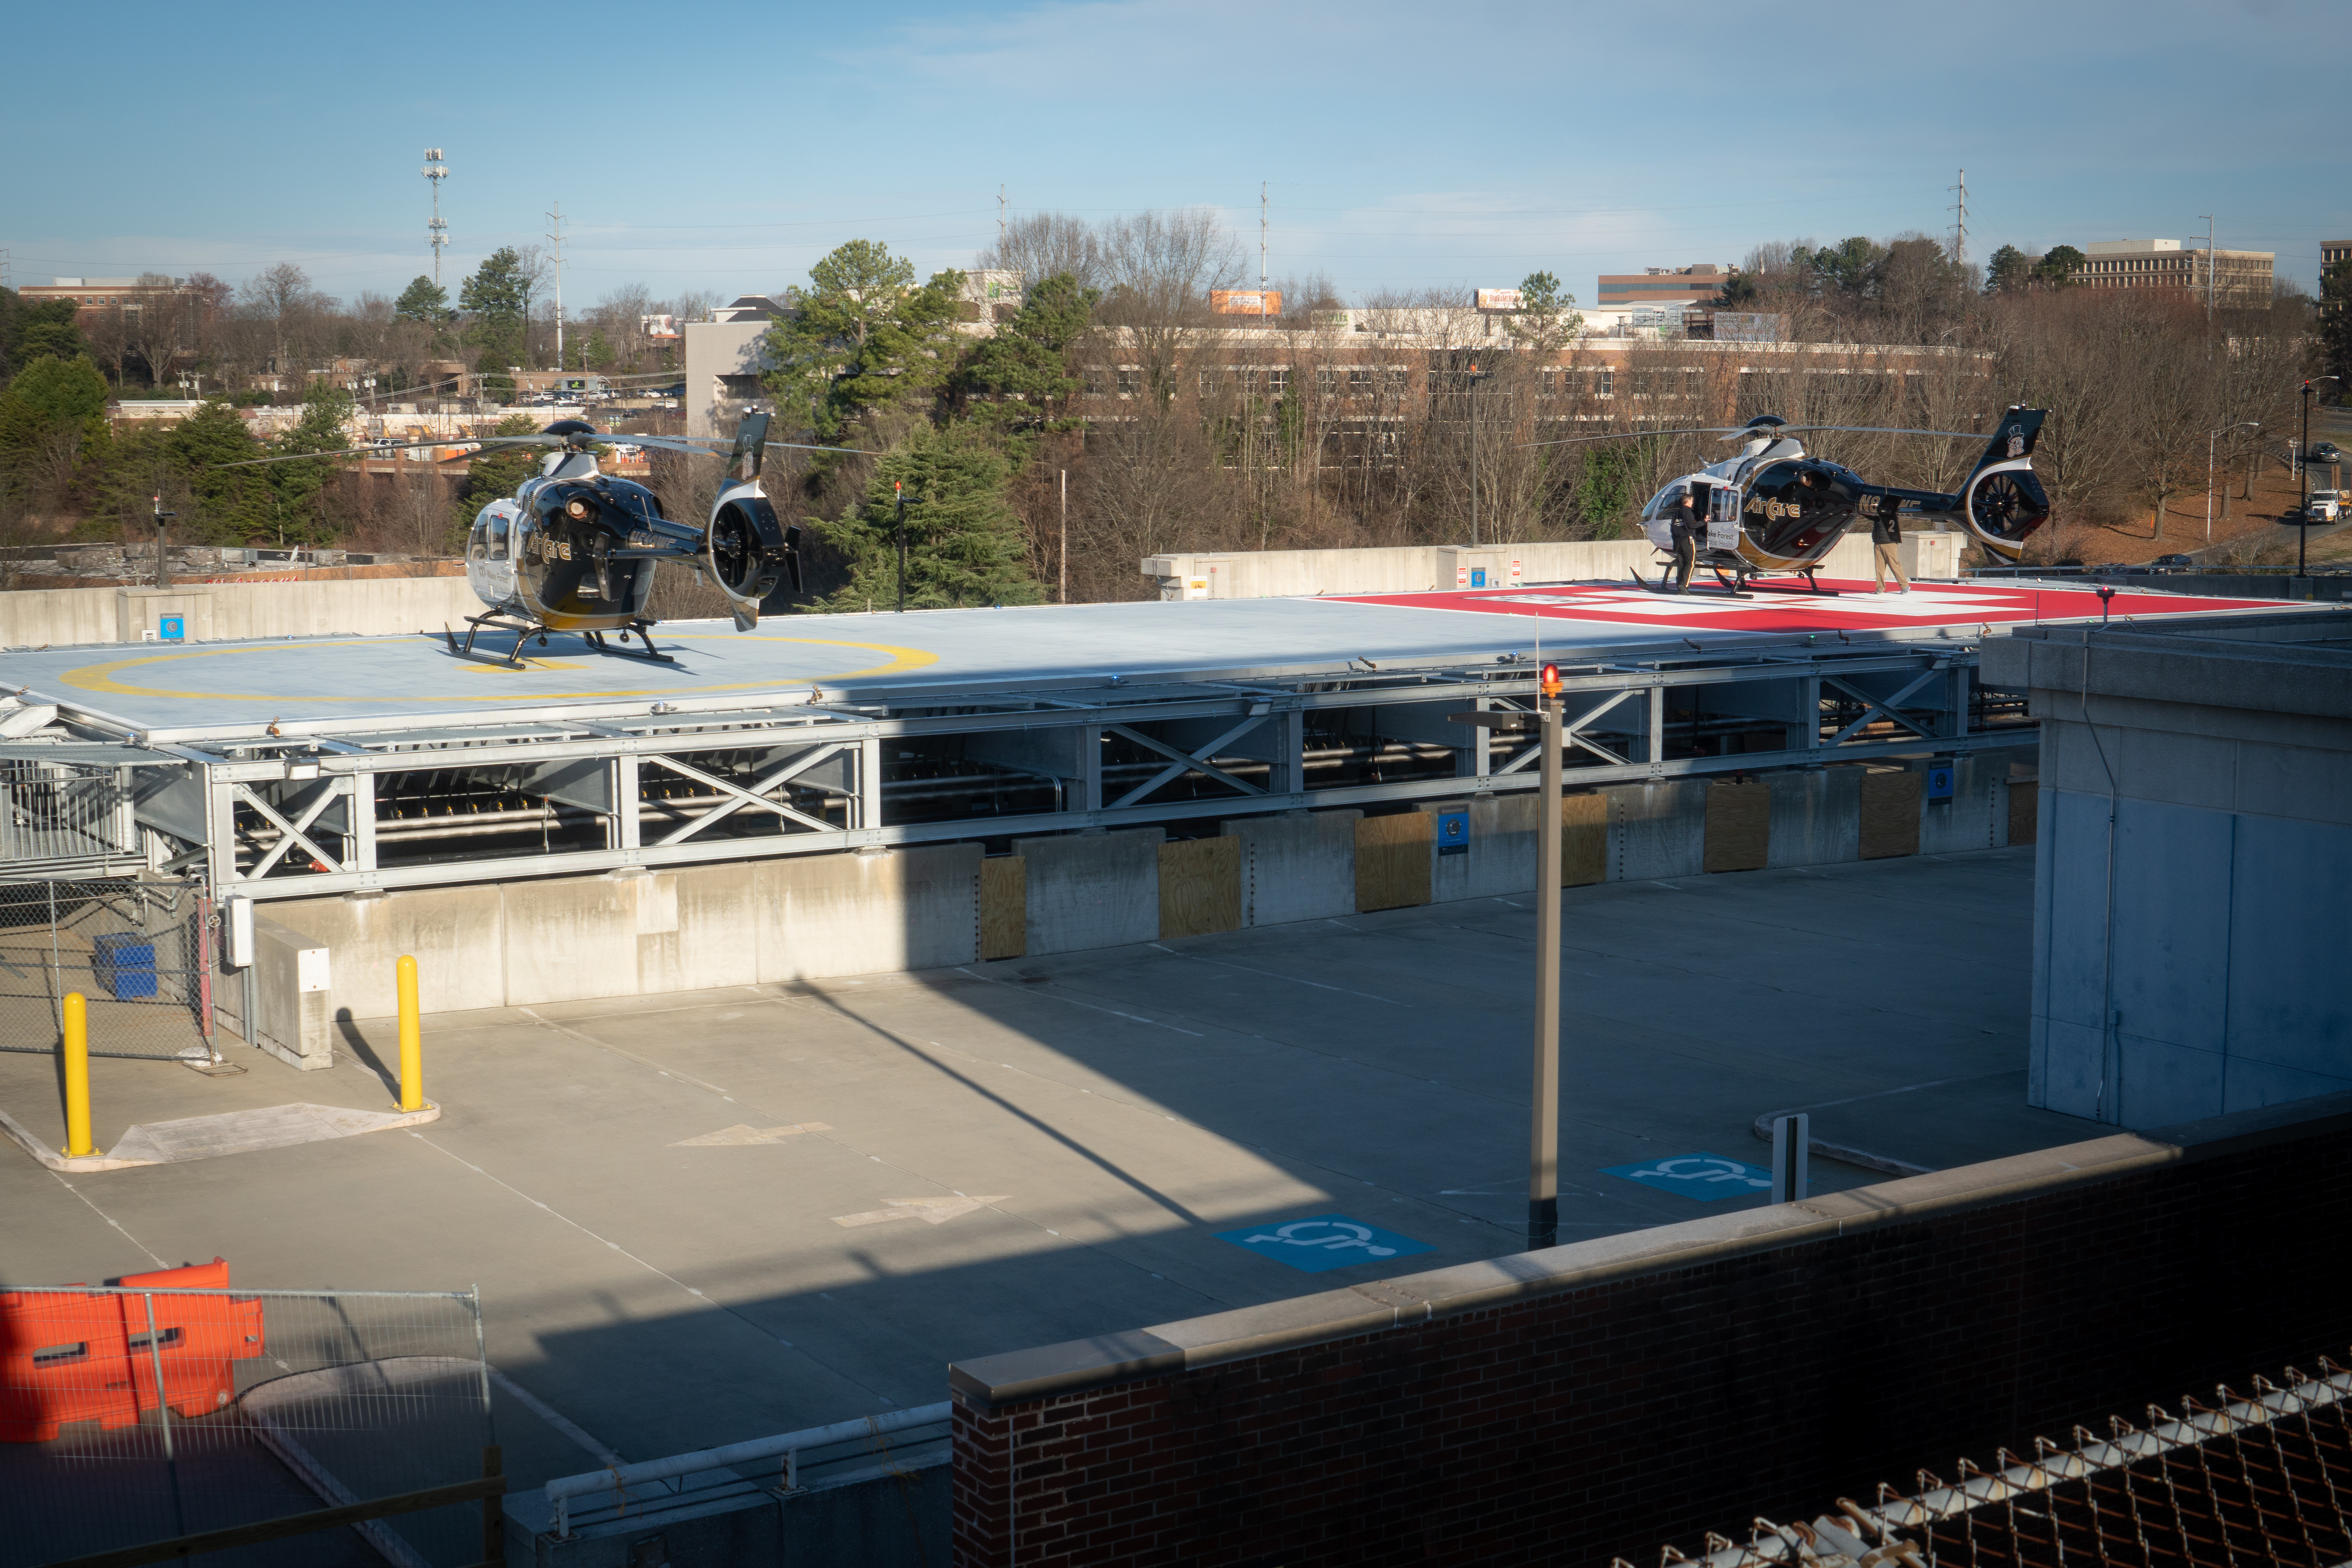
1666,497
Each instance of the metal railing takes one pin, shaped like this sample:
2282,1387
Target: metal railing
817,1457
63,815
131,1415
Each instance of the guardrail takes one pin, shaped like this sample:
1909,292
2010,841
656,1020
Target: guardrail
788,1446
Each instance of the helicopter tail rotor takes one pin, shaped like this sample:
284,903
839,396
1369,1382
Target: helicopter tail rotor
2002,503
747,551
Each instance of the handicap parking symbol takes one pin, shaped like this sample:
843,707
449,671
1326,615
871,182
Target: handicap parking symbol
1325,1241
1703,1177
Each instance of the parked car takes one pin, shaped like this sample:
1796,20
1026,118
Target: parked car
2172,561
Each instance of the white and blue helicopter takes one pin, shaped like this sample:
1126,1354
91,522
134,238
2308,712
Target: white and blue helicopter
574,548
1771,509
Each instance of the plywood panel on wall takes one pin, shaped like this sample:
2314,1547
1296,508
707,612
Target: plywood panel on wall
1738,826
1890,813
1583,839
1199,887
1393,861
1003,907
2024,810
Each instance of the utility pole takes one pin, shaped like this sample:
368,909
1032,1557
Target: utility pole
1472,380
1543,1141
1261,253
1961,220
555,236
898,536
436,232
162,562
1064,551
2209,259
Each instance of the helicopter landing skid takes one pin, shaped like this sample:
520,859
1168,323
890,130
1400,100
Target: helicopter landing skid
645,635
1811,587
1725,590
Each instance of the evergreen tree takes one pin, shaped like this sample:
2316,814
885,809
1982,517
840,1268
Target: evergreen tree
1547,317
1029,356
2007,271
423,300
2056,269
299,490
964,544
498,298
863,337
229,506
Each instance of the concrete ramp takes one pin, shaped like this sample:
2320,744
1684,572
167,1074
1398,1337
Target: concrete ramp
227,1132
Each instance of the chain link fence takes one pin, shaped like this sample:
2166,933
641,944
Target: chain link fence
271,1402
138,948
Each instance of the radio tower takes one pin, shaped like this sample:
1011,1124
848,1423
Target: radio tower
555,236
1961,220
435,172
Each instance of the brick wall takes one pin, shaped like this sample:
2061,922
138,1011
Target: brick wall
1830,1346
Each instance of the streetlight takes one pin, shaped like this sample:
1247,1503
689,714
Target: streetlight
1472,380
2249,424
2303,461
1543,1137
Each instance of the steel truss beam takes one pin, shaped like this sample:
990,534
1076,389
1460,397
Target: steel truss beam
234,760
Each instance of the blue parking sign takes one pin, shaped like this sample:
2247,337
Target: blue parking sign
1452,833
1327,1241
170,628
1477,576
1703,1177
1940,781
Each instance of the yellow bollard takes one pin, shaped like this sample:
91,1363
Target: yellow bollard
77,1051
412,1046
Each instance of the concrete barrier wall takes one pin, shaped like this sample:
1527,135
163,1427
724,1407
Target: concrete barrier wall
294,1026
1296,868
229,612
1423,568
807,917
1092,889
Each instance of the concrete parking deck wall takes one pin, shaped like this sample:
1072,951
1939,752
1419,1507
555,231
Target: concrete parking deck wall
649,932
1568,1405
226,612
2191,918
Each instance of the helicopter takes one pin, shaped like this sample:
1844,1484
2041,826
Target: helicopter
1771,509
574,549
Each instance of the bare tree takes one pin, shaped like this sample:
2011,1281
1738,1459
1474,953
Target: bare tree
159,325
1160,267
1039,245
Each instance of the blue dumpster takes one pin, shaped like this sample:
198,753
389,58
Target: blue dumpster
124,965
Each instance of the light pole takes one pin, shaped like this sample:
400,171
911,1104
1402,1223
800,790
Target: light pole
2249,424
1472,380
1543,1130
2303,461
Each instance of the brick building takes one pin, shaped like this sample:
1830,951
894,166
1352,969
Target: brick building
2240,278
1661,286
92,296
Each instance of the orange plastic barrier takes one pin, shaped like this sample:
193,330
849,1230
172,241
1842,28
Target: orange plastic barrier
88,1358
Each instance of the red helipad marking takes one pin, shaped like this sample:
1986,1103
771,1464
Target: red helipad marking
1856,608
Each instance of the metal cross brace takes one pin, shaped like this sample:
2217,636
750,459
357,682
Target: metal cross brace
1877,709
1573,735
295,831
1185,761
755,795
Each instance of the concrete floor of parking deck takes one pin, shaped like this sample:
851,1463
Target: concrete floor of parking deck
1115,1108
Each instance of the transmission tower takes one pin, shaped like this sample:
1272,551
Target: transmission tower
1961,220
555,237
1000,224
435,172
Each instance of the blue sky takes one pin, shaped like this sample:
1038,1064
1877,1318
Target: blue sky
724,147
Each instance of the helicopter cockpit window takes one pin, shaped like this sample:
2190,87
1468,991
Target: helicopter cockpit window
1665,500
498,532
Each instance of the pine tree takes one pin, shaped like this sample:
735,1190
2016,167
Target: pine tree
229,505
862,338
1028,357
423,300
964,544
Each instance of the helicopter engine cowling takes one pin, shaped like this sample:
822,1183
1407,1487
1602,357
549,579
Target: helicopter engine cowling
747,551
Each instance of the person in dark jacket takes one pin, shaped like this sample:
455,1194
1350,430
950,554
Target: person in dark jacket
1885,548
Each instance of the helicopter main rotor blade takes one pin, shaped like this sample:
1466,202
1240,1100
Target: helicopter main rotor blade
1637,434
1889,430
479,441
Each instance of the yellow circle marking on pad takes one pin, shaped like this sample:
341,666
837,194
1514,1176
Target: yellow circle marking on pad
101,676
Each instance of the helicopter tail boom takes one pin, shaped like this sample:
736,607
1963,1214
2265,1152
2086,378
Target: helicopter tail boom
2001,502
